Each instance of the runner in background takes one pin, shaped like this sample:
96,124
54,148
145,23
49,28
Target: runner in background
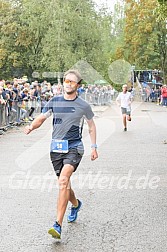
124,100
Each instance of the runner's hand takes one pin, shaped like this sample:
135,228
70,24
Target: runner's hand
28,129
94,154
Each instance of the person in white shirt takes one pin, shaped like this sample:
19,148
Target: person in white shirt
124,100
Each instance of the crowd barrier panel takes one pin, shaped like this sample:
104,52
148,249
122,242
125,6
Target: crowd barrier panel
2,115
11,114
97,98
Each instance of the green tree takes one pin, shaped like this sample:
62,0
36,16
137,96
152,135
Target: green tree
8,33
117,33
144,35
32,29
162,9
51,36
76,33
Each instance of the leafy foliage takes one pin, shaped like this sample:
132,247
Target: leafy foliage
145,42
53,35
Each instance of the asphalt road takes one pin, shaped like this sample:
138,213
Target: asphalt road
123,192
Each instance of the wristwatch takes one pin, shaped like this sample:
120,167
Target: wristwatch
94,146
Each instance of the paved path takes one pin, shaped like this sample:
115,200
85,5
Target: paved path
123,192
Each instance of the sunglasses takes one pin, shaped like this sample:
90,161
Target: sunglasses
70,82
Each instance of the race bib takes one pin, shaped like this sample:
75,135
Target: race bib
60,146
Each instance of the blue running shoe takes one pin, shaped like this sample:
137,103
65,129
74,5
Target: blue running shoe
74,212
55,231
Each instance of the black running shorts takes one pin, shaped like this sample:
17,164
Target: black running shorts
60,159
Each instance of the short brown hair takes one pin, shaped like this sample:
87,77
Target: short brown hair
76,73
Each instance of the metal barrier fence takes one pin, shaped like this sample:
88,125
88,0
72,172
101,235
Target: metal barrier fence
99,99
8,116
16,113
12,114
2,115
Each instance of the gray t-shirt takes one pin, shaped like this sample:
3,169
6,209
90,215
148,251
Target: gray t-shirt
68,118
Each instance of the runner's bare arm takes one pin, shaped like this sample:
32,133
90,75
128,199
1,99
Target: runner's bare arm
38,121
92,133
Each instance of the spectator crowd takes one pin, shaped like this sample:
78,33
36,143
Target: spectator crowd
20,100
158,94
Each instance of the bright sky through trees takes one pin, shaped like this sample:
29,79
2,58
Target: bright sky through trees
109,3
